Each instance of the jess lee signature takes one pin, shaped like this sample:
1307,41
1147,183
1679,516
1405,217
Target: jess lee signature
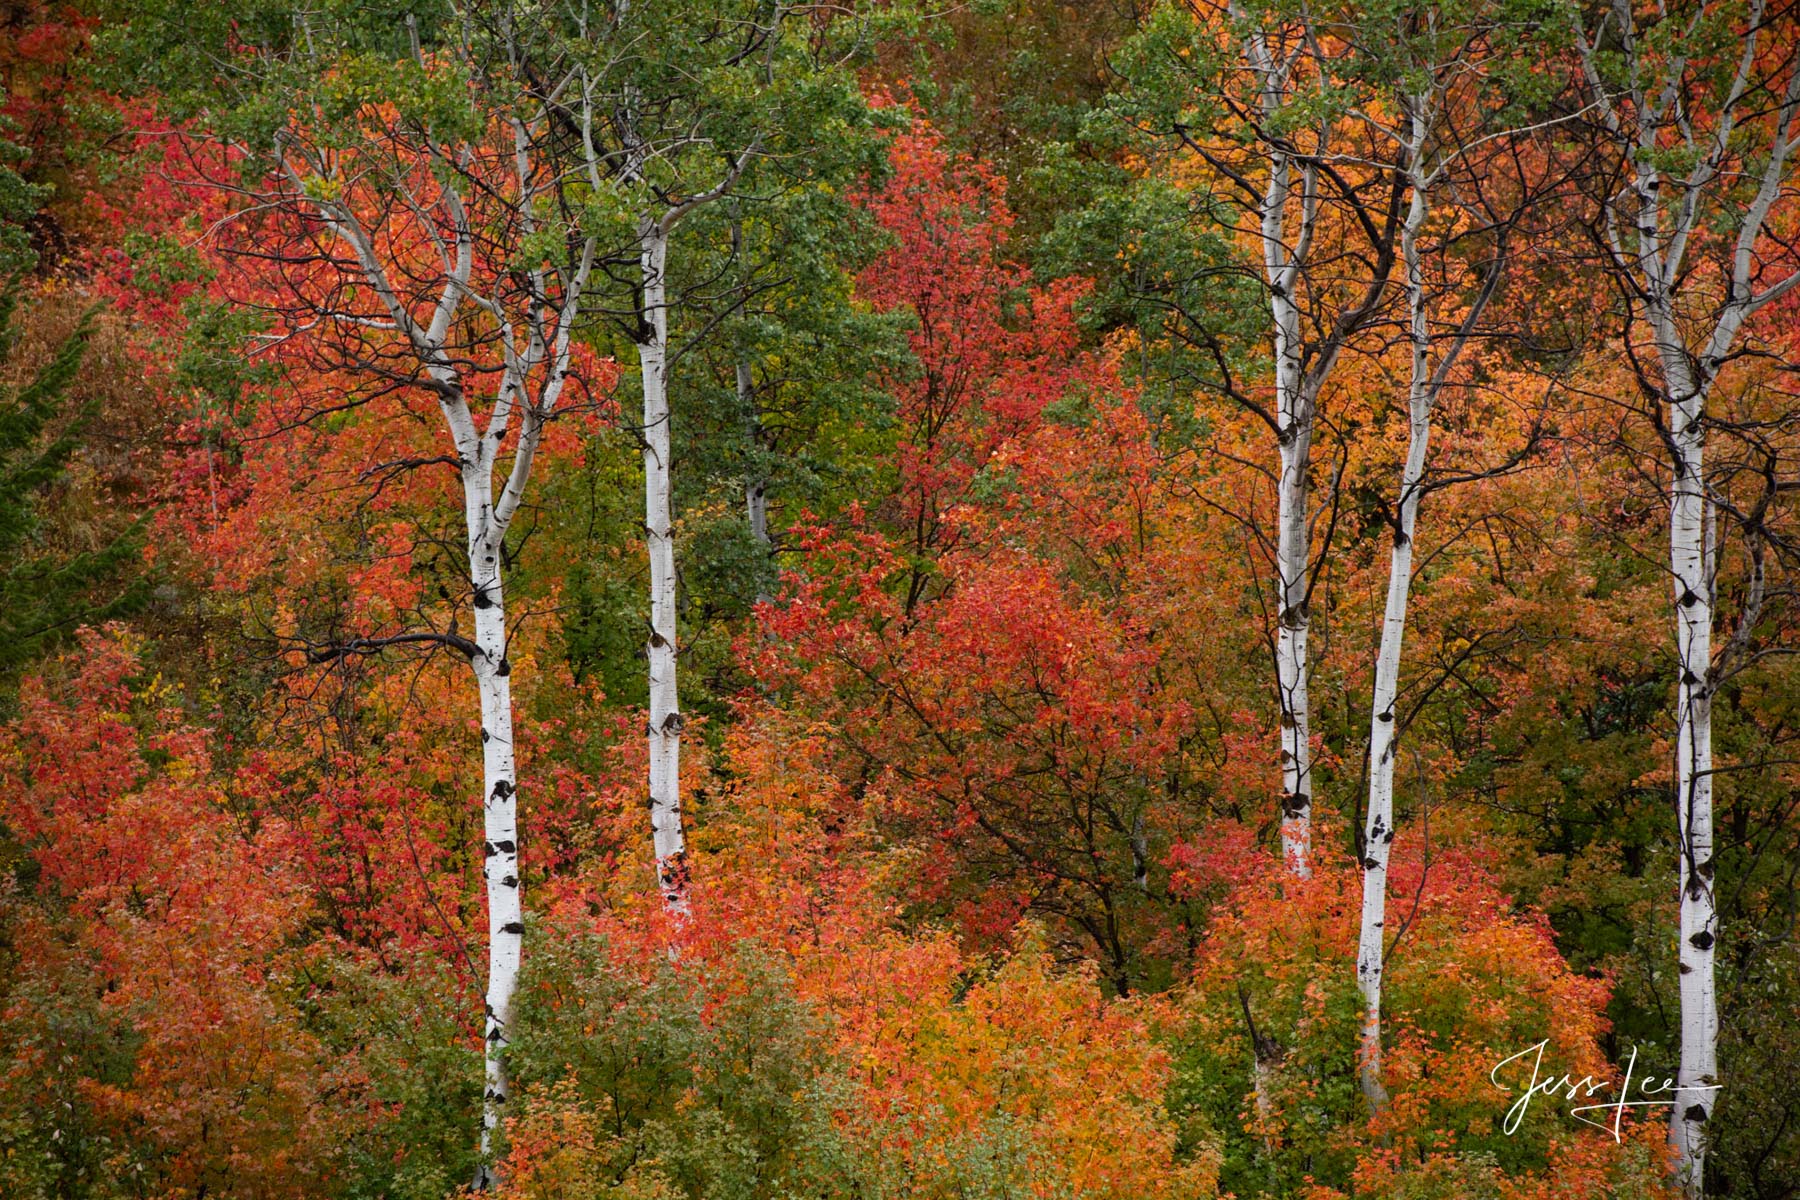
1652,1094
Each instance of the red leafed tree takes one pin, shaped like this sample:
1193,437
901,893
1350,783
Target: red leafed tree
116,802
991,349
978,639
416,268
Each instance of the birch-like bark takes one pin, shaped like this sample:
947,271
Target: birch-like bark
1431,359
537,346
665,706
667,837
1284,255
1378,830
756,488
487,521
499,803
1649,235
1293,548
652,337
1692,569
1293,557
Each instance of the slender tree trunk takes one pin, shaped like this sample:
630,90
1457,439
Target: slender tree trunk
1721,154
665,707
756,507
538,338
1293,549
1690,559
1293,553
500,831
1265,1059
659,534
1378,829
1294,411
756,488
756,485
1286,242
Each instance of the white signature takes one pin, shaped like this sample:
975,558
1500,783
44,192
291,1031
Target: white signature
1651,1093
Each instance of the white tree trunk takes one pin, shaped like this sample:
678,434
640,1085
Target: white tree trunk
535,345
1284,252
756,503
1293,550
665,707
500,828
1293,625
756,506
1378,828
1690,560
1649,240
1293,554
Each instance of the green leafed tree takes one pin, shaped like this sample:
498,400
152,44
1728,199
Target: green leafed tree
45,592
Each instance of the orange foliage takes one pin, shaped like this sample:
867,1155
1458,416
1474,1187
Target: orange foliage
116,800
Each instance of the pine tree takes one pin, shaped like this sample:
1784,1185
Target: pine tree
44,595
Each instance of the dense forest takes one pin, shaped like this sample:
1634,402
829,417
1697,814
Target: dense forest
758,599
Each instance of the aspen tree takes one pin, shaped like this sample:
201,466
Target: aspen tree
1698,105
1453,84
1250,91
698,101
420,222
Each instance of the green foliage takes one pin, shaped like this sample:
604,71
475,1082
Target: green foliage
19,202
713,1081
685,1083
1759,1155
46,594
408,1066
60,1041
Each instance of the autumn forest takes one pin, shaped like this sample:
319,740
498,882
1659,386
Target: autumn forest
881,600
